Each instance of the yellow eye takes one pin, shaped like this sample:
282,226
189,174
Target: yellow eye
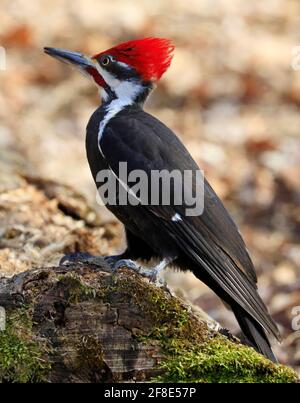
105,61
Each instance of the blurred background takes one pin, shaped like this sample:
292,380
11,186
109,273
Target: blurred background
232,95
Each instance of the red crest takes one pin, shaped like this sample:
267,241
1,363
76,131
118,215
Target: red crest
151,57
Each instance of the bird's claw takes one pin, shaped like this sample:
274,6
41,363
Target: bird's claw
81,258
130,264
111,260
74,258
151,274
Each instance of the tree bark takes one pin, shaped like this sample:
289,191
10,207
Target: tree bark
85,324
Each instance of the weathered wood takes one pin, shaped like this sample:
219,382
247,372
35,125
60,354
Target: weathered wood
86,324
92,336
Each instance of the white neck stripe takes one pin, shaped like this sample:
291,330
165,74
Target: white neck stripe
126,93
114,107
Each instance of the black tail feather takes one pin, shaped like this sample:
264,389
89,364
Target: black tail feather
254,334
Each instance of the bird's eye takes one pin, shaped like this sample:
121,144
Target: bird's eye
106,60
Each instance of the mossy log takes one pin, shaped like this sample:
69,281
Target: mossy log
86,324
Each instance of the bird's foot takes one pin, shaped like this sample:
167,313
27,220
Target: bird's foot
113,260
130,264
150,273
82,258
115,263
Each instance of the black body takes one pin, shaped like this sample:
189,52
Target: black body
209,245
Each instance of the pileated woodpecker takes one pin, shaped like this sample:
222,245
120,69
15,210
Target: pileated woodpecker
209,244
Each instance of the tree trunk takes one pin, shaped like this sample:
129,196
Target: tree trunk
85,324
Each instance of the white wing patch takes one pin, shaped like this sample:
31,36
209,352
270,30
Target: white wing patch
176,217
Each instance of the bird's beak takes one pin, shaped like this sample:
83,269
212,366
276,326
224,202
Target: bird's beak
83,63
77,59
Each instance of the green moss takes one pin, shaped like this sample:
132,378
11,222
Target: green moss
90,353
90,360
220,360
74,289
192,352
168,315
21,359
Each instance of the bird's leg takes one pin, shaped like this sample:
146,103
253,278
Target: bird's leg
113,259
151,273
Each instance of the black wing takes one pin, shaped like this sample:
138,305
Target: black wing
212,239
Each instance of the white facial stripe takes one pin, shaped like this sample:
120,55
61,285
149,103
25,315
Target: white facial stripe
123,89
128,91
110,80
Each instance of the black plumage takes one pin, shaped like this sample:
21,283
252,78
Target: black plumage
119,131
209,245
